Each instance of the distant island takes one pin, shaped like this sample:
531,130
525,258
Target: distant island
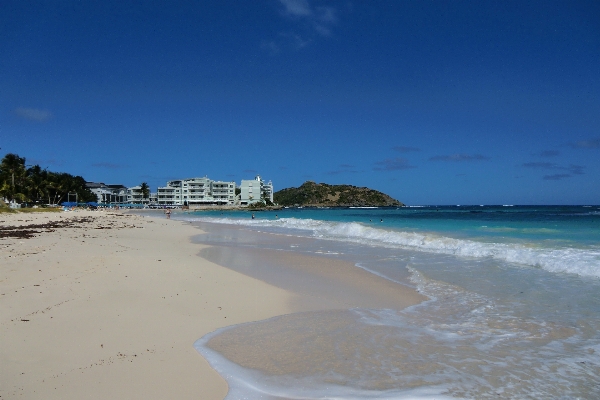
323,195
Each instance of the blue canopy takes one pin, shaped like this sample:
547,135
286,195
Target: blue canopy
74,204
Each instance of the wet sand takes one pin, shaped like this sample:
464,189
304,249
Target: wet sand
322,337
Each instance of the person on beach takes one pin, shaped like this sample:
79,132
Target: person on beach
168,213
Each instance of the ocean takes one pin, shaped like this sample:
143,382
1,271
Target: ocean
512,309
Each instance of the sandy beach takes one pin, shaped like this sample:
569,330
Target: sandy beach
109,305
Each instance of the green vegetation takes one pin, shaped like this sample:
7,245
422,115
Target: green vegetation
145,190
37,186
324,195
263,204
4,207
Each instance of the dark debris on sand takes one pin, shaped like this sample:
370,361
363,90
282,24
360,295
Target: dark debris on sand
29,231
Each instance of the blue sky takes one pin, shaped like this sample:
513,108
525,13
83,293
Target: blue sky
432,102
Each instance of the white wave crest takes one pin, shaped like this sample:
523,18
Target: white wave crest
583,262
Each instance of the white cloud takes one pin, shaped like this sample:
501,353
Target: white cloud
271,46
326,14
587,144
393,164
295,40
571,170
319,19
33,114
298,8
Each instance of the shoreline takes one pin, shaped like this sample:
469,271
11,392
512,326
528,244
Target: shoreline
100,329
107,308
106,304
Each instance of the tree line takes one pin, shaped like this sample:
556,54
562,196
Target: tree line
33,184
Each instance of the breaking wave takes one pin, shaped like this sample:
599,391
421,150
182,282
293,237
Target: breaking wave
580,261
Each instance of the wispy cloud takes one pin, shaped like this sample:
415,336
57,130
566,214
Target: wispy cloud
460,157
393,164
316,21
324,19
556,177
270,46
33,114
544,165
405,149
320,18
571,170
297,8
547,153
586,144
294,39
109,165
344,169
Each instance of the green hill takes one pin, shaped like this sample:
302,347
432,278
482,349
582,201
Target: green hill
324,195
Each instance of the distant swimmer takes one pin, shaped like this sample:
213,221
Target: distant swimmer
381,220
276,216
252,216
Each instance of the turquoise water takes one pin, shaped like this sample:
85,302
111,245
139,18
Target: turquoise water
578,225
514,309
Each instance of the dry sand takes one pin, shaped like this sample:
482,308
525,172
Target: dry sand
106,305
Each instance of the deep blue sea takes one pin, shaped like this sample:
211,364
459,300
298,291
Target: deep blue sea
513,310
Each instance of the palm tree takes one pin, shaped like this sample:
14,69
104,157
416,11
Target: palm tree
36,183
145,190
12,177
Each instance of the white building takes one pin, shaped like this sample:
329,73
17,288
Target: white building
196,191
135,196
255,190
108,193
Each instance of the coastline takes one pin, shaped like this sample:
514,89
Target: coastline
110,307
102,304
513,303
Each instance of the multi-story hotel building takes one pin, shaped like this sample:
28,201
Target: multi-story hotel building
119,194
255,190
187,192
115,194
135,196
196,191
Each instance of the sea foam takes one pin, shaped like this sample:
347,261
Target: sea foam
581,261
